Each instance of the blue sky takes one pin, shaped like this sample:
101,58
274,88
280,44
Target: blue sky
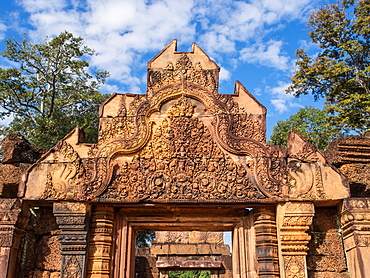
252,41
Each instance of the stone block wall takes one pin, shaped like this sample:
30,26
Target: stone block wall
38,255
326,258
41,256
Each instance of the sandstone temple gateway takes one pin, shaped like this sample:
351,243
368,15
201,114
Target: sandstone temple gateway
184,157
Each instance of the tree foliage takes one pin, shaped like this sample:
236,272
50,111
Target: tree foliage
340,72
311,123
143,238
50,91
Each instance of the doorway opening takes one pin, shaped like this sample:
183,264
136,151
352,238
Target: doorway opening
196,252
183,254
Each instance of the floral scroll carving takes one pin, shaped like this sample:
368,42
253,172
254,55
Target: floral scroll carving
182,142
182,162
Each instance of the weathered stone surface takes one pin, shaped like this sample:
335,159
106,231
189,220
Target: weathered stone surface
17,149
48,253
41,250
328,275
40,274
190,249
9,178
351,149
358,175
55,275
309,174
352,157
188,264
326,250
192,237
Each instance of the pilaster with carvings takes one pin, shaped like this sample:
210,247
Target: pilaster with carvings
100,245
12,220
266,242
355,222
294,220
72,218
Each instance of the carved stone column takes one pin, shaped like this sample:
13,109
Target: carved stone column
355,221
266,242
294,220
11,235
100,245
72,218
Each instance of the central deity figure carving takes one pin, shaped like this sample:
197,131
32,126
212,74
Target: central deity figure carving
181,162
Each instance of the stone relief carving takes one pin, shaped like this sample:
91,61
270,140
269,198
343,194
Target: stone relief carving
181,154
71,218
306,180
294,266
309,174
62,183
182,141
181,162
72,267
183,69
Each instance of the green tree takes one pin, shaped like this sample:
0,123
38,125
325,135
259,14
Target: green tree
311,123
143,238
340,72
50,91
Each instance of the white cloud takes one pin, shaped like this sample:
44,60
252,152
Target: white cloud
33,6
122,31
224,74
280,99
2,31
269,54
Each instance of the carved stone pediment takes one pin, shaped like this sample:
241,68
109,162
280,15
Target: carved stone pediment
310,176
180,142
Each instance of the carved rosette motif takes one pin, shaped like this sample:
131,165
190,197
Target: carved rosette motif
71,218
295,219
181,162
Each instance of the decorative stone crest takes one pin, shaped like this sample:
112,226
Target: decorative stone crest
181,142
